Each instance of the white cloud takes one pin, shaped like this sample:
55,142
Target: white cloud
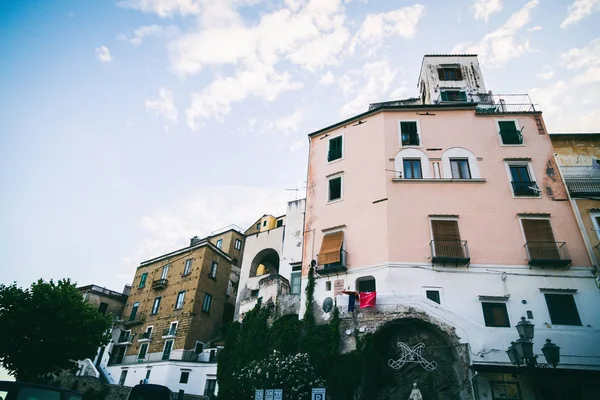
579,10
546,75
103,54
297,145
400,92
164,8
172,226
375,78
376,27
150,30
503,44
484,8
585,60
164,105
534,28
327,79
288,123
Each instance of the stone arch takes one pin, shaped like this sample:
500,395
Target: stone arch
412,153
269,259
449,379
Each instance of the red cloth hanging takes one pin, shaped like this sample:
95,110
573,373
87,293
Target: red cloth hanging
368,299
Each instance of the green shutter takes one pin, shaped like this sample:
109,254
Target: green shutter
444,96
463,96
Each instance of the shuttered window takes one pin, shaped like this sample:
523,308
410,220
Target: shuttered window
409,133
562,309
450,74
446,239
331,248
335,149
541,244
335,188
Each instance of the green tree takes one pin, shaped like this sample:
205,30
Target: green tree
47,328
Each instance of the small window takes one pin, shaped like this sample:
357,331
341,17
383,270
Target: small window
335,188
172,331
460,168
185,375
335,149
199,348
134,310
454,95
495,315
156,305
188,267
209,387
180,300
143,351
412,168
433,295
295,282
254,293
165,272
562,309
450,74
279,223
219,243
366,284
213,270
265,223
409,133
207,302
258,226
509,133
143,280
123,377
328,286
102,308
238,244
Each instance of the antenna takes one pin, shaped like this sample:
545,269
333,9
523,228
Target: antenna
296,190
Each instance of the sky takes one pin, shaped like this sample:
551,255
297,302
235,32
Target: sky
129,126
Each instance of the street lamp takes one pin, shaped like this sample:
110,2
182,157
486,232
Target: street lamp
521,352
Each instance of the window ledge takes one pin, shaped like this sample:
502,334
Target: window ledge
334,201
441,180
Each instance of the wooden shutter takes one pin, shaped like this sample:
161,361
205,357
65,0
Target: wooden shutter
446,239
441,74
331,248
541,244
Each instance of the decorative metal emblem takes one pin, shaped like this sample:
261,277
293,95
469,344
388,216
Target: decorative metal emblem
412,355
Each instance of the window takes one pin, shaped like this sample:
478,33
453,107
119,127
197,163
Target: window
562,309
213,270
412,168
335,188
460,168
450,74
143,280
165,272
123,377
180,299
219,243
185,375
446,239
328,286
539,238
366,284
207,302
258,226
148,334
199,348
188,266
254,293
521,181
510,133
409,133
148,375
143,351
495,315
335,149
238,244
134,309
172,331
102,308
279,223
167,349
155,306
295,282
454,95
433,295
265,223
209,387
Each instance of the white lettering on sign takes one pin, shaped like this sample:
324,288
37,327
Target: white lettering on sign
269,394
259,394
278,394
318,394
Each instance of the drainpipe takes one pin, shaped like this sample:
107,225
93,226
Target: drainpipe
580,224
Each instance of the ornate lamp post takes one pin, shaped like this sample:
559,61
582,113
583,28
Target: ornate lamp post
520,352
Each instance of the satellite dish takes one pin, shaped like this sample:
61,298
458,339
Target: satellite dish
313,263
327,304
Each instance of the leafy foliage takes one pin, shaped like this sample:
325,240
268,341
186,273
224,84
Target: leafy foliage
46,328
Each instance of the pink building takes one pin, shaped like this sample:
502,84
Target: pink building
450,206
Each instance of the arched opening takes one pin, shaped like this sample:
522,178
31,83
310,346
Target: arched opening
416,163
264,263
410,350
459,163
366,284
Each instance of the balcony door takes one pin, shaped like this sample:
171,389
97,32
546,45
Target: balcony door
541,244
446,238
167,349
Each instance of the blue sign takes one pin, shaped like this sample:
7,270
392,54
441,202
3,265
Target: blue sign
269,394
278,394
259,394
318,394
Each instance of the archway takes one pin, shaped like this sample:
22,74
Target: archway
264,263
429,357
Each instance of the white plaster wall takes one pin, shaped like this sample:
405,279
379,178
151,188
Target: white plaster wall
167,373
293,237
402,285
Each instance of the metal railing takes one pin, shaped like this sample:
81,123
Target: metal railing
170,332
543,254
145,336
333,267
210,356
452,251
526,189
133,320
126,337
583,180
160,283
504,103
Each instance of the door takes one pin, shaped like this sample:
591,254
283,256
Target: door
446,239
134,311
123,377
120,355
167,350
541,244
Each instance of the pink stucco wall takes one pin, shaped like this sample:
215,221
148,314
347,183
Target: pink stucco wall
398,229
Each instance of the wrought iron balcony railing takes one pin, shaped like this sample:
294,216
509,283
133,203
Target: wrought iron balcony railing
450,252
582,180
132,320
505,103
331,268
126,337
526,189
548,254
170,332
145,336
160,284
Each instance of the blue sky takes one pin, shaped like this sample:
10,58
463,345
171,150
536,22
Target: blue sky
130,126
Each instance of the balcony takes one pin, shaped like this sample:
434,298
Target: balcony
582,180
126,337
146,336
207,356
168,333
525,189
159,284
333,268
136,319
504,104
548,254
450,252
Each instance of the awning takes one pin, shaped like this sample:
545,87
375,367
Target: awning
331,248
